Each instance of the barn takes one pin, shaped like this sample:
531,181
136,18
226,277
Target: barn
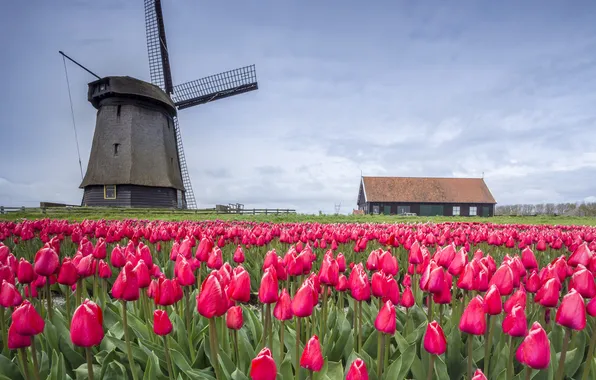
425,196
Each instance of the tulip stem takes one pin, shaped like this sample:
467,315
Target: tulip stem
23,354
49,296
387,353
470,355
487,346
214,347
79,291
359,326
510,359
431,367
236,351
89,363
95,291
297,353
281,341
168,360
34,356
323,324
188,325
430,307
270,336
67,296
127,338
528,373
380,353
561,368
3,328
589,358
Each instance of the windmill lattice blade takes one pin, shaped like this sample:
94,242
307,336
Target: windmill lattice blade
214,87
189,195
159,64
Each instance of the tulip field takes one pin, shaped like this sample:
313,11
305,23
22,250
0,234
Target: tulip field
133,299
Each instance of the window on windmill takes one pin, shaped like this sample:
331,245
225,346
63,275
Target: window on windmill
109,192
102,87
456,210
473,210
116,149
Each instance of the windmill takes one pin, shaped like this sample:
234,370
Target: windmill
137,157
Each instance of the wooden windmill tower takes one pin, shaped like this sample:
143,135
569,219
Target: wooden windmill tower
137,158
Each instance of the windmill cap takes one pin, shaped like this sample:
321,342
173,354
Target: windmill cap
128,87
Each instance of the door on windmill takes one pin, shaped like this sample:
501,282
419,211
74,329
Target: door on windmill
179,198
109,192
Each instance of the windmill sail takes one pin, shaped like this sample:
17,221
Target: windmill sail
161,75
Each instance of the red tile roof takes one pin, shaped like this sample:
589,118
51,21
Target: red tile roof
427,190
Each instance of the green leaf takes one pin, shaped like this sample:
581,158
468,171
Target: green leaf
440,368
575,357
58,369
149,371
237,375
112,356
285,371
9,369
340,342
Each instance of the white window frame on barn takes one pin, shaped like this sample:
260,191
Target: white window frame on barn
456,210
108,190
473,210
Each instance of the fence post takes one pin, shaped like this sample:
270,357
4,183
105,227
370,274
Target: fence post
265,211
43,210
1,209
254,211
277,212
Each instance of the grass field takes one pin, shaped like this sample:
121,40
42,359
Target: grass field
288,218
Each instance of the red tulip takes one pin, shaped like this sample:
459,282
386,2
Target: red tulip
378,290
357,370
591,307
240,285
341,262
515,323
534,351
46,261
503,278
304,301
492,301
26,320
456,267
473,320
342,284
25,273
407,298
528,259
572,311
533,282
581,255
9,295
312,357
386,320
234,319
518,298
479,375
269,290
161,323
263,366
104,270
86,266
238,255
329,273
86,328
117,258
165,294
548,294
126,286
582,281
184,273
211,301
388,263
16,340
434,339
467,278
283,307
359,285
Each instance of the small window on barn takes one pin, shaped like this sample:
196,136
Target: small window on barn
376,210
473,211
109,192
456,210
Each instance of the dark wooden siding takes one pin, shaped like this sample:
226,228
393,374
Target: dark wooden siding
447,208
131,196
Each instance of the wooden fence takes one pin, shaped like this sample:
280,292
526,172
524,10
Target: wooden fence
68,210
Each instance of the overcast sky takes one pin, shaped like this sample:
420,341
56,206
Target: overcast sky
386,88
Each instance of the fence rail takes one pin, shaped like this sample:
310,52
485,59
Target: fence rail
130,210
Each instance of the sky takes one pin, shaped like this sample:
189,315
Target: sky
504,90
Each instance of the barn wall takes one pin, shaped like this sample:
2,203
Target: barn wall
131,196
416,208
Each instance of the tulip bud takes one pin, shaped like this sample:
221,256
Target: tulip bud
86,328
534,351
46,261
126,286
161,323
263,366
25,273
492,301
434,339
16,340
572,311
386,320
478,375
515,323
473,320
283,307
357,370
312,357
268,292
26,320
211,301
9,295
234,319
